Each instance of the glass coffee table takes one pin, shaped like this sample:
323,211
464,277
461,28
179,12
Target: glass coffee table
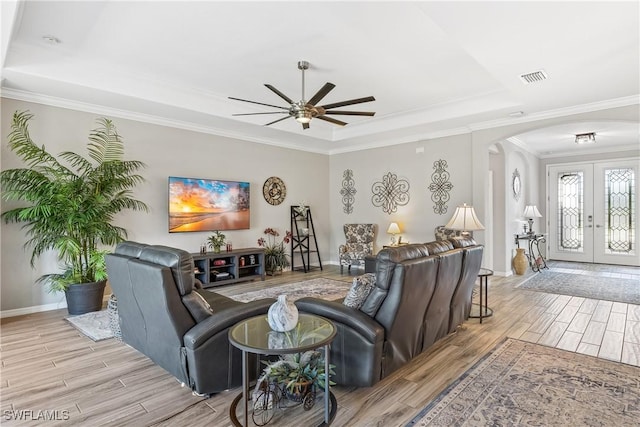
254,335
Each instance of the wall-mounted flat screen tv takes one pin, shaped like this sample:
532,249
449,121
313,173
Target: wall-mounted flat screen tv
197,204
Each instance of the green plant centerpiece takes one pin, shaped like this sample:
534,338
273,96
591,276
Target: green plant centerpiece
71,202
275,253
296,374
216,240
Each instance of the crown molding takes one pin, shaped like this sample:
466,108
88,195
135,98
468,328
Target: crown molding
559,112
373,141
145,118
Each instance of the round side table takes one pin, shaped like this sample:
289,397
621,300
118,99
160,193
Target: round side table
254,335
483,309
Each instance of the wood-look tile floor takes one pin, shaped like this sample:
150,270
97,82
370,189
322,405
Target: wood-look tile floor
604,329
46,365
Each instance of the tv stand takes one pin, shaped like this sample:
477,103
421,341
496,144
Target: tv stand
227,267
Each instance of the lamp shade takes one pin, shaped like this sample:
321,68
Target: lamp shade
465,219
393,228
531,211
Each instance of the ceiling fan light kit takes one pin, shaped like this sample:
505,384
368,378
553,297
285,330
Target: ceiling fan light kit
304,111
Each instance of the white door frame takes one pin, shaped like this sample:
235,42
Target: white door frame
593,230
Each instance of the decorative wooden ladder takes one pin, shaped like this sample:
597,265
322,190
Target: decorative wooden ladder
303,238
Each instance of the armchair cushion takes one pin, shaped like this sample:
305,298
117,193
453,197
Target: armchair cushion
443,233
360,290
359,243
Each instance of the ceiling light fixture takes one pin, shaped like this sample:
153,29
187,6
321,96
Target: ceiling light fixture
586,138
304,116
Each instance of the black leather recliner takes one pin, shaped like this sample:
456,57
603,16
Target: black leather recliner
422,293
182,329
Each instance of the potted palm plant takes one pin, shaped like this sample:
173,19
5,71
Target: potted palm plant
71,202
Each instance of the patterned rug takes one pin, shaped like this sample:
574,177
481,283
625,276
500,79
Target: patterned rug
583,284
319,288
95,325
524,384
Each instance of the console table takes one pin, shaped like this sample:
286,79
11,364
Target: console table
226,267
534,255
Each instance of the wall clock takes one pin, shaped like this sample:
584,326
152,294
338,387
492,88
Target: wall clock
516,184
274,190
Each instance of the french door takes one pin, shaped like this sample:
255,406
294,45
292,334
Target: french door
593,212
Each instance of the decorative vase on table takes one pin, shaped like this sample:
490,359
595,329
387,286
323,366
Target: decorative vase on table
282,315
520,262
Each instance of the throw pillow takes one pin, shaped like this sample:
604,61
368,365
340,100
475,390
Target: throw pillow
360,290
197,306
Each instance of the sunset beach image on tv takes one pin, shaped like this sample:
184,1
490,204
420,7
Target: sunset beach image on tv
197,204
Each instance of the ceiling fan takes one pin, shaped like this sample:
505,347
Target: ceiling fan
303,111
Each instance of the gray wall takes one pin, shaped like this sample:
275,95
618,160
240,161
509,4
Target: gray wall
417,219
312,177
166,151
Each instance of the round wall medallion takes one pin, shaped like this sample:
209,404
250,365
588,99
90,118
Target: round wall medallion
274,190
516,185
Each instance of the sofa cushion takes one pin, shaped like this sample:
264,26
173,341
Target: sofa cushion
130,249
198,307
462,242
360,290
439,246
180,262
386,263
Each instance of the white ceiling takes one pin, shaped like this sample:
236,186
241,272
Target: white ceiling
435,68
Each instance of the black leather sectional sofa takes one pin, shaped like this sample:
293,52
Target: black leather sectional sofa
422,293
179,327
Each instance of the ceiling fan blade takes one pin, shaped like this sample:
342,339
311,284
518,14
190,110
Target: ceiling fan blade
351,113
349,102
334,121
254,114
276,121
305,126
259,103
280,94
324,90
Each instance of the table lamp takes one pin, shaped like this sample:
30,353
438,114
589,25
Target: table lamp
464,219
530,212
393,230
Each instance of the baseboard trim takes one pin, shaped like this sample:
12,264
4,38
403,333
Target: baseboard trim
40,308
503,273
32,309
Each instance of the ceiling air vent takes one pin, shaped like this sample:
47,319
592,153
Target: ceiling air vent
536,76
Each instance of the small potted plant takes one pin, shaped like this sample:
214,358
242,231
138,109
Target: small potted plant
216,240
275,254
296,374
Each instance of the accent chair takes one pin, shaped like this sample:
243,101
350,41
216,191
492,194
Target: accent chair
359,244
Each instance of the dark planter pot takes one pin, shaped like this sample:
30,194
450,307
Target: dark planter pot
85,297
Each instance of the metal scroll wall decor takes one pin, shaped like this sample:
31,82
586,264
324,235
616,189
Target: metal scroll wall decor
440,186
348,191
390,193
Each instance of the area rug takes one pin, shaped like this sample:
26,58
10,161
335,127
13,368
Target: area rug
585,285
95,325
524,384
322,288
